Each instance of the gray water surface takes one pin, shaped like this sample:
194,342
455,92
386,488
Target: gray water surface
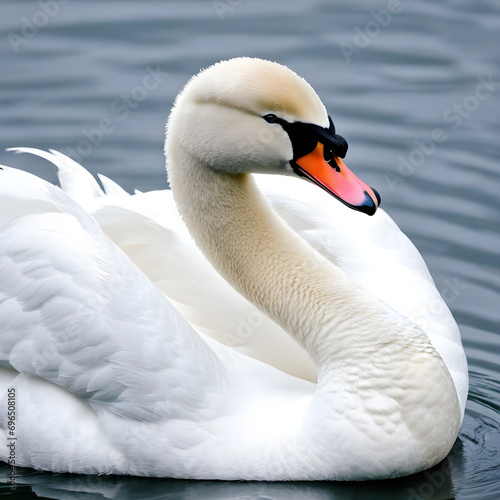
413,87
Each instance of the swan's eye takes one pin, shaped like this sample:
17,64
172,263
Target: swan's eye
270,118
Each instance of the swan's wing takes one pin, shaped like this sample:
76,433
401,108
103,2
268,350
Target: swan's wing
75,180
148,228
165,252
74,310
371,250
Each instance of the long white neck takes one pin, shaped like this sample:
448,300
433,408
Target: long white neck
262,258
363,350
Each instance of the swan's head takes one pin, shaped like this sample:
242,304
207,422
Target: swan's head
249,115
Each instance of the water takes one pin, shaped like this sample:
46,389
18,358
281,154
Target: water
416,94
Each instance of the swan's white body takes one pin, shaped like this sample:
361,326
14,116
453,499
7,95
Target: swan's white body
130,354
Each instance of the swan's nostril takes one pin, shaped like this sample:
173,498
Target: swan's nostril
330,158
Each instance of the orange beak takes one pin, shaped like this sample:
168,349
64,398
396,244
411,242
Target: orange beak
338,180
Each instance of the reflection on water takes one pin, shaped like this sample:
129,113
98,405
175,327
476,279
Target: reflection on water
437,483
389,83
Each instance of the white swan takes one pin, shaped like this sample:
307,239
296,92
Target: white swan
105,375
